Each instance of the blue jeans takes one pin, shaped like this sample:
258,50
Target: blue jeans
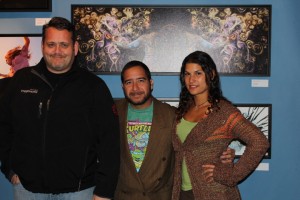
20,193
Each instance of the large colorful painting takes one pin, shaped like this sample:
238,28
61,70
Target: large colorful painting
237,37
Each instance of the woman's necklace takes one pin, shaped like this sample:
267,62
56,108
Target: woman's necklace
197,107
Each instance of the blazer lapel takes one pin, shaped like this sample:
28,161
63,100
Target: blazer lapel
125,153
154,137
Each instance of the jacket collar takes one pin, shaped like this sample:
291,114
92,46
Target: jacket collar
41,67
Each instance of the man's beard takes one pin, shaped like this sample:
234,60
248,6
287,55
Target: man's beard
146,98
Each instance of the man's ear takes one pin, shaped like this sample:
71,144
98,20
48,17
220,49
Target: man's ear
76,46
151,84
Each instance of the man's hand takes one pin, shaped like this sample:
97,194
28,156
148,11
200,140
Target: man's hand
208,173
95,197
227,156
15,179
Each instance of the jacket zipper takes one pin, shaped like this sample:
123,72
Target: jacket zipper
84,169
40,107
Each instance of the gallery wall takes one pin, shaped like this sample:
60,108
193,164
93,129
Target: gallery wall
282,179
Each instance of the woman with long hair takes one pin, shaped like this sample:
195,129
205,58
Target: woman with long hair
206,123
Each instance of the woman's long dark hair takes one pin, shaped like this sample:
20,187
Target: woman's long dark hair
212,80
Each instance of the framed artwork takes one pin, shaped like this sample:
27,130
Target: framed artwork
236,37
172,101
25,6
258,114
23,49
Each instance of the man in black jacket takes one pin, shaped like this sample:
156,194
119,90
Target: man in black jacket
59,132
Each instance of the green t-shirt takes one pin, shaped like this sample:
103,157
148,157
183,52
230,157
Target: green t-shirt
139,124
183,129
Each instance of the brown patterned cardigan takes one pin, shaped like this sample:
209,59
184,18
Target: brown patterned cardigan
204,145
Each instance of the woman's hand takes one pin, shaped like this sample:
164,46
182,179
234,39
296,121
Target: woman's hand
208,173
15,179
95,197
227,156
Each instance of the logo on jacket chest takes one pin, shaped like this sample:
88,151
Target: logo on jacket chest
29,91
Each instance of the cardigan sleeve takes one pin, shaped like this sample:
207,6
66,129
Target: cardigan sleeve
256,146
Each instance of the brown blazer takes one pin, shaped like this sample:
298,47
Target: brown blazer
155,178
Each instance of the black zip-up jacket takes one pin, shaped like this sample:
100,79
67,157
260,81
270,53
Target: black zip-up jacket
62,138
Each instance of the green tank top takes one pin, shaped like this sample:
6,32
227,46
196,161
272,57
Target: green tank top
183,129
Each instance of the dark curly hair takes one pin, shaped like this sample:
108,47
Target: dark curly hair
212,80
